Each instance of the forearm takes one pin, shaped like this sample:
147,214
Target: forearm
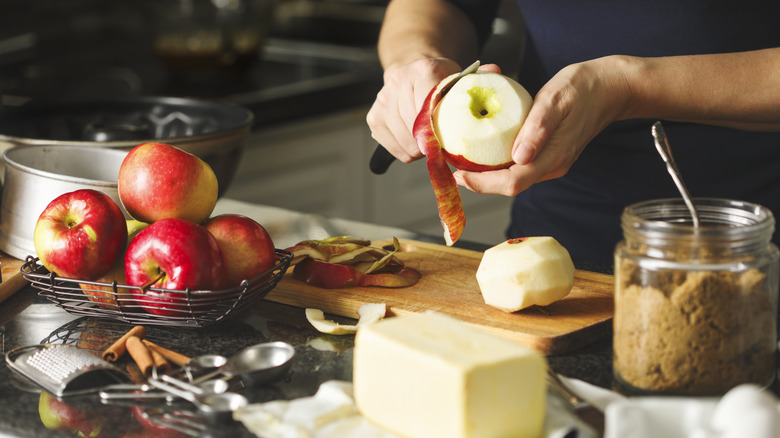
416,29
739,90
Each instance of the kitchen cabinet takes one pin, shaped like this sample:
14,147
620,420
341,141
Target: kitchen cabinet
320,165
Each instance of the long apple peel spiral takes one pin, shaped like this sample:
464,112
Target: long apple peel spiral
445,187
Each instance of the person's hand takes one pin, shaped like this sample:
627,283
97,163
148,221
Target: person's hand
572,108
392,115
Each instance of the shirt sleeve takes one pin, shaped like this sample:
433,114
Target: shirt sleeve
481,13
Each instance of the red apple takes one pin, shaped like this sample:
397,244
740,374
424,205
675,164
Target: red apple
159,181
105,296
58,415
80,234
173,254
469,120
247,249
151,428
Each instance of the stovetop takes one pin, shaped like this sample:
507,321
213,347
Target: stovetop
298,70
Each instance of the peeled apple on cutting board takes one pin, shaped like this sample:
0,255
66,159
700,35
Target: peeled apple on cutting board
469,121
524,272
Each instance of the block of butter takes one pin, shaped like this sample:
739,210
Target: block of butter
429,375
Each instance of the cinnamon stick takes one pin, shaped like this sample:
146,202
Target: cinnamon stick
172,356
140,354
134,373
160,362
118,348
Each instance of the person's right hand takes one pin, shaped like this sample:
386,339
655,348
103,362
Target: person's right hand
392,115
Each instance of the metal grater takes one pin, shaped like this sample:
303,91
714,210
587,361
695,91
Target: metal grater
64,369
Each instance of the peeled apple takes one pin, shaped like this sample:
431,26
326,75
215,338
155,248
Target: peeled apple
524,272
469,121
477,121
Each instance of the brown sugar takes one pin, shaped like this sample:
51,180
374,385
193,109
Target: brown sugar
693,332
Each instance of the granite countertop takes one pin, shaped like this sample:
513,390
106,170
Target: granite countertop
28,319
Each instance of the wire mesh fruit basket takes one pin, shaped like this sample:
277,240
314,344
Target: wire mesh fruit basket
150,305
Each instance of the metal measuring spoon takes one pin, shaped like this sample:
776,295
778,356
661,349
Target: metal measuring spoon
217,406
133,392
663,148
259,363
205,363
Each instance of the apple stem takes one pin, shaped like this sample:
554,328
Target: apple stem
154,280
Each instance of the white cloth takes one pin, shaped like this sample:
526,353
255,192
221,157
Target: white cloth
331,413
745,411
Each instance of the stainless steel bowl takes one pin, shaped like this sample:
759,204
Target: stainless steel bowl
35,175
216,132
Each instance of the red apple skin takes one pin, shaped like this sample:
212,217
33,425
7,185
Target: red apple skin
459,162
151,428
56,414
104,296
159,181
247,248
80,234
173,254
334,276
445,188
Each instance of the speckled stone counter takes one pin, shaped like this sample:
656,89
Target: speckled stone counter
318,358
27,319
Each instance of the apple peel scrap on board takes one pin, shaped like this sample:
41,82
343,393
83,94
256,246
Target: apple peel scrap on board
473,130
346,261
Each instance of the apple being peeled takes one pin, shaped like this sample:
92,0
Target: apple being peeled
474,130
159,181
173,254
478,119
80,234
247,248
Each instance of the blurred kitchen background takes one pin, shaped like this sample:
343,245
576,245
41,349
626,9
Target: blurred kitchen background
308,70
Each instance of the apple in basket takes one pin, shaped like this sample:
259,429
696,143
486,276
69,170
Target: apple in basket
104,295
469,121
173,254
80,234
159,181
247,249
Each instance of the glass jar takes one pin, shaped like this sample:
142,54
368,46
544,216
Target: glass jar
695,309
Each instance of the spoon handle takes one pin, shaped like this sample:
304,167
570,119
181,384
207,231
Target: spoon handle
663,148
172,389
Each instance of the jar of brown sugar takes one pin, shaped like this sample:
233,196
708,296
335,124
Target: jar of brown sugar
695,308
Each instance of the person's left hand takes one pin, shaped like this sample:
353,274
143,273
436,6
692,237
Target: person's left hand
572,108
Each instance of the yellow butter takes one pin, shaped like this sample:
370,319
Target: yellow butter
430,375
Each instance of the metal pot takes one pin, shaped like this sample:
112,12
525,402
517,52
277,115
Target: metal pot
35,175
216,132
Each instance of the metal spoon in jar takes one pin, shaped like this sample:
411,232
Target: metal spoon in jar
663,148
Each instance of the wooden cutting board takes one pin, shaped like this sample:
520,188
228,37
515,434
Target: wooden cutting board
449,285
12,279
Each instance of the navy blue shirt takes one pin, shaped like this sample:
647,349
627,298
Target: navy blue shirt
621,166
